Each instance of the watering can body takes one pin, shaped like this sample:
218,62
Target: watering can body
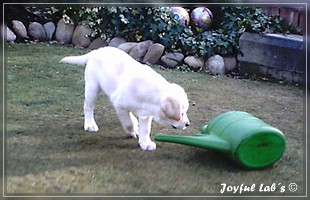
246,139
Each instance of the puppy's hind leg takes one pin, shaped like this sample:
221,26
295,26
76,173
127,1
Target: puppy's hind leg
91,93
129,122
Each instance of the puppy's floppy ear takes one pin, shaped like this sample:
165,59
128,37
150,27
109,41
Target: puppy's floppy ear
172,109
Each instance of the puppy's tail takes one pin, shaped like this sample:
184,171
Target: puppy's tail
77,60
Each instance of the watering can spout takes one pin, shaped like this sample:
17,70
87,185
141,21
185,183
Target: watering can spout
209,141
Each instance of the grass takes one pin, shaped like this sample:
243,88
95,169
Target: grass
48,152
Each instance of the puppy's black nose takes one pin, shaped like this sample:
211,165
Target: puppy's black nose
187,124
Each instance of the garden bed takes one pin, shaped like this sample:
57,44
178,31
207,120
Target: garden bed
165,41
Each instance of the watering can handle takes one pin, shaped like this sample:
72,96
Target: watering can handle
206,141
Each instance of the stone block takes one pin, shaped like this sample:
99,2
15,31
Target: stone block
19,28
154,53
37,31
64,31
80,37
272,51
50,29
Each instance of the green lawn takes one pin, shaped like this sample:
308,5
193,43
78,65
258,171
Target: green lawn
48,152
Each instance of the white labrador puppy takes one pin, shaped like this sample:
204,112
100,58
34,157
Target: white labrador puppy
134,90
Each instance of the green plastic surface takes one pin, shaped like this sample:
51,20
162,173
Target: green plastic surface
210,141
246,139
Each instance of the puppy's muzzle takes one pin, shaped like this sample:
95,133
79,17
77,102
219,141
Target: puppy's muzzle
186,125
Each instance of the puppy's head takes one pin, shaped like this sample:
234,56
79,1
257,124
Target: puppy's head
174,107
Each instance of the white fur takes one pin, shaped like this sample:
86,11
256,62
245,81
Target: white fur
134,90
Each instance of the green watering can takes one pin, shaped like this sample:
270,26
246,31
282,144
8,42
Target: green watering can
244,138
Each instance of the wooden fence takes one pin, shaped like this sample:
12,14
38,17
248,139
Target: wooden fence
294,16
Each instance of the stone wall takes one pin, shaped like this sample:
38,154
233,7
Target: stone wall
145,51
278,56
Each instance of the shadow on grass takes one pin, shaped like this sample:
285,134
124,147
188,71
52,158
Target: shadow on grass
217,160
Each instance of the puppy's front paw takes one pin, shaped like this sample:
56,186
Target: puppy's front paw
91,127
148,146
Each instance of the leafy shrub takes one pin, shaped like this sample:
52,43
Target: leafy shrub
159,25
233,22
132,23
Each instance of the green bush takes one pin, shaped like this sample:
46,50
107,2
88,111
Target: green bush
131,23
233,22
159,25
